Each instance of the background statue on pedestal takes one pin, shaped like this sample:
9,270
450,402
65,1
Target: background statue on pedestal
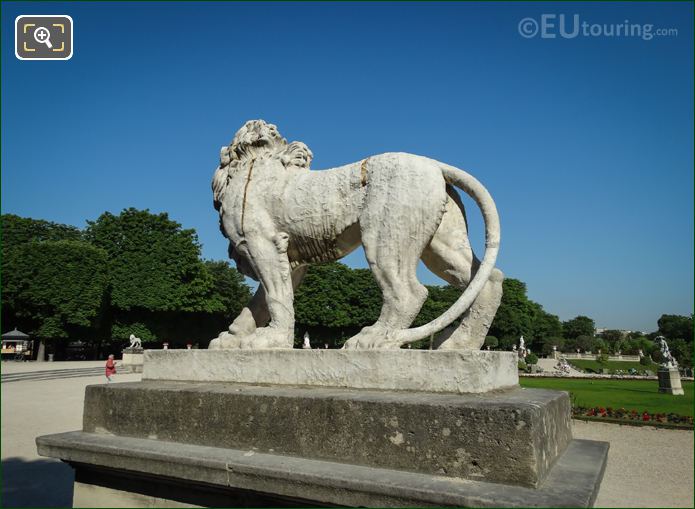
667,360
522,348
135,342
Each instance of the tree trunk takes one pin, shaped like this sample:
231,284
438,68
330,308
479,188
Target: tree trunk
41,354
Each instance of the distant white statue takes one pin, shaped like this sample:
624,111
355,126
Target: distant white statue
307,344
135,342
522,348
667,359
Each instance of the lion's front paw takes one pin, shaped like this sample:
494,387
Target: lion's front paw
225,341
268,337
372,337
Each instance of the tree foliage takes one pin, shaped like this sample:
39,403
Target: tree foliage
17,231
514,316
518,315
55,287
153,263
612,335
229,291
335,301
578,326
135,273
676,327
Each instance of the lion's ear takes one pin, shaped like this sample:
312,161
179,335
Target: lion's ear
225,156
219,186
297,154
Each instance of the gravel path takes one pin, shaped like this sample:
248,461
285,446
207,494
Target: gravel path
647,467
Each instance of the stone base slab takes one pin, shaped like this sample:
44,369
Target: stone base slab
193,475
670,381
408,370
512,437
132,360
130,368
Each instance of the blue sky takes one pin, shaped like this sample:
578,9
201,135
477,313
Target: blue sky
586,144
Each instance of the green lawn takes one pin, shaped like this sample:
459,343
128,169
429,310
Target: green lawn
639,395
593,367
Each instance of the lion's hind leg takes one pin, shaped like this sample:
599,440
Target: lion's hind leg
449,256
394,234
403,296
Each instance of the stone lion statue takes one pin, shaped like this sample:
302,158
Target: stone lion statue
135,342
280,217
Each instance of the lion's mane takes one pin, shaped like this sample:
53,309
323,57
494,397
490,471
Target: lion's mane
255,139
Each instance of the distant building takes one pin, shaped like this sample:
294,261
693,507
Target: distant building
624,332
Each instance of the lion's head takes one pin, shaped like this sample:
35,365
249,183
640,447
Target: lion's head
256,138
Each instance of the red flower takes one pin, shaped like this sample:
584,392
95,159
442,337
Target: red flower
645,416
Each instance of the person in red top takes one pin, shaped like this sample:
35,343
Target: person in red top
110,368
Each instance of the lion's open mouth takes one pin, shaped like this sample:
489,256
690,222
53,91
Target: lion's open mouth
260,141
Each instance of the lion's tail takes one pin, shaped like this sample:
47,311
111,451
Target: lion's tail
475,190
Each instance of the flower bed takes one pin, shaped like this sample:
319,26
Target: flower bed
623,416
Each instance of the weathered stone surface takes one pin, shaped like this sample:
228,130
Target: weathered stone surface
132,360
279,217
415,370
180,469
670,381
511,437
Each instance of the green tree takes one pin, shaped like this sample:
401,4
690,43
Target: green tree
439,299
634,345
153,263
515,314
682,351
229,289
17,231
599,344
558,342
676,326
531,359
491,341
544,327
334,302
578,326
622,346
158,283
612,335
56,288
583,342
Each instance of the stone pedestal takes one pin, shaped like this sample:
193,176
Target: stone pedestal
670,381
184,443
462,372
132,360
